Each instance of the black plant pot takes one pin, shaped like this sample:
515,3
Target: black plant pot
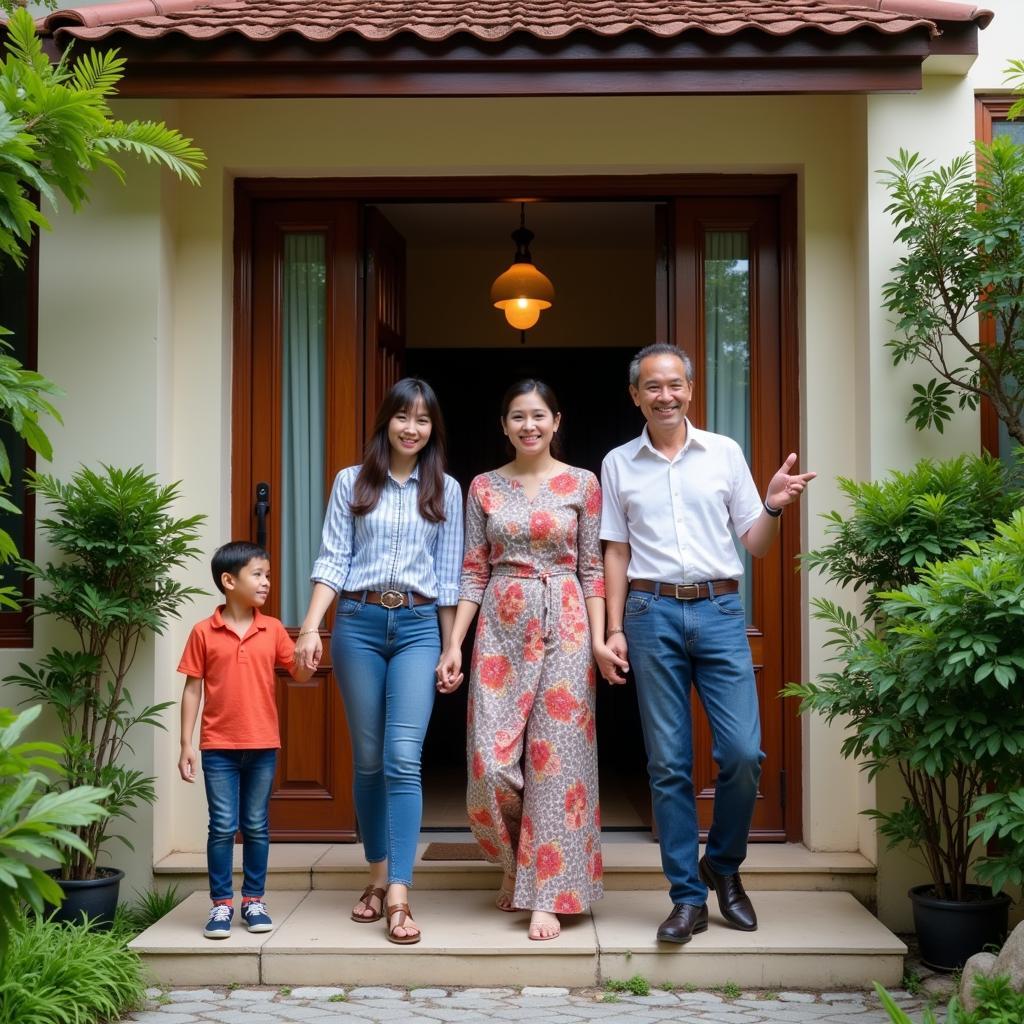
950,932
95,898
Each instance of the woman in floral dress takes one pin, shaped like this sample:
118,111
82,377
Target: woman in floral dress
533,567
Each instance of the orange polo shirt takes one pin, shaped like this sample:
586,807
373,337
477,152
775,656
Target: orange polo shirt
239,701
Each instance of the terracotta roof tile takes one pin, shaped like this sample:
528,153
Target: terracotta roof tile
493,20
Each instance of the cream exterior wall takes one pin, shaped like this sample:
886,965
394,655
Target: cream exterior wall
136,309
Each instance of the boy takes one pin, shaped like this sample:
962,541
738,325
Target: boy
232,654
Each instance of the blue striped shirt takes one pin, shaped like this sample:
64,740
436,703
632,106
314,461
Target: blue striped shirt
393,547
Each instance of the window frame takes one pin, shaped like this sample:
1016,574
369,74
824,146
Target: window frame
988,109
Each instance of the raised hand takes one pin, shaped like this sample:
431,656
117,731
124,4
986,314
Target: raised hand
786,487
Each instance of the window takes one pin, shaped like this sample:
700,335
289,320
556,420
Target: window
19,294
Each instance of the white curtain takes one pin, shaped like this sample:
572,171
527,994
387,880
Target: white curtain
301,501
727,345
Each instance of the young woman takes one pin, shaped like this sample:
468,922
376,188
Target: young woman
532,560
392,545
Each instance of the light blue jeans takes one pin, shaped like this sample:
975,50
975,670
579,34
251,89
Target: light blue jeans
384,662
674,645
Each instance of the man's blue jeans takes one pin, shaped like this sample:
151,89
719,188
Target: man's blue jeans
238,786
674,645
384,661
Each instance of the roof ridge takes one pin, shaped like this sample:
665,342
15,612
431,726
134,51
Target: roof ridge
115,12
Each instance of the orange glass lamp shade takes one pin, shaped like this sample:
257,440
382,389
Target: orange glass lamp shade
522,292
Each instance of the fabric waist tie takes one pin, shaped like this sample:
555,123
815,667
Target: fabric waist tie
545,578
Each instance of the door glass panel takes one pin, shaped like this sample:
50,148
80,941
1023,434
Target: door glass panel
303,420
727,347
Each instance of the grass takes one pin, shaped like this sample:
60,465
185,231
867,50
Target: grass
638,985
731,990
69,974
284,990
912,983
150,906
338,997
768,995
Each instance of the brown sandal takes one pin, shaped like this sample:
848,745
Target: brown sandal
370,893
405,913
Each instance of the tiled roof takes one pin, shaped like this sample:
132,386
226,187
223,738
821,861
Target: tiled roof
495,20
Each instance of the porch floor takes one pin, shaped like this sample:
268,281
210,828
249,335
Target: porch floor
815,928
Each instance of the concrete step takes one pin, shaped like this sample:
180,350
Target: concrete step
630,865
819,940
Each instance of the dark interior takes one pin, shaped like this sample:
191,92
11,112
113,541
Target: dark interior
597,415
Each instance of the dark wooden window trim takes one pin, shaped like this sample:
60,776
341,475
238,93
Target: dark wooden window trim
250,192
987,110
16,628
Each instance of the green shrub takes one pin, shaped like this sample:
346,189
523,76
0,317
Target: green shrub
931,678
998,1003
69,974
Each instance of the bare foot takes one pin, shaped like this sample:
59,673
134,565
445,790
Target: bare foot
544,925
506,894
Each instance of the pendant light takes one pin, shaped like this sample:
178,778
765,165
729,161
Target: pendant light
522,291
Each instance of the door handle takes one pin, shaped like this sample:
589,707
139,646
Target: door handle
262,508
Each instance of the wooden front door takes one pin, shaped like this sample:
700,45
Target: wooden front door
726,315
297,420
320,336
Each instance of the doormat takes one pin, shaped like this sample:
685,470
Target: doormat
452,851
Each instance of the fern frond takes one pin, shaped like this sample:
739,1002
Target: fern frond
156,143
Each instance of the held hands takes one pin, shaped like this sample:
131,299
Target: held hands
187,763
449,670
309,650
611,658
785,488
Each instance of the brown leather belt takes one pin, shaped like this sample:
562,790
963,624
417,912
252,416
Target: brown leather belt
388,598
686,591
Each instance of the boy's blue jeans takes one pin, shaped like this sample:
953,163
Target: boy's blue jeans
674,645
238,786
384,661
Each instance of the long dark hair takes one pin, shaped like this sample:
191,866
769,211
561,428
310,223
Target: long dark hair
377,455
546,393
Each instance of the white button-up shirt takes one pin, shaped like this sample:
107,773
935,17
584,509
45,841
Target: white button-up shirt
676,514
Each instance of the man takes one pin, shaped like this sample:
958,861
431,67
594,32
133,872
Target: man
674,614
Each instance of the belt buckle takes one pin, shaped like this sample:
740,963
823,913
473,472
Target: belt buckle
681,589
392,599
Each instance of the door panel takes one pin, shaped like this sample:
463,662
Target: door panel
385,310
298,410
727,320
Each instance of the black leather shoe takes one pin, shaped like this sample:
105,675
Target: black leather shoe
733,902
683,923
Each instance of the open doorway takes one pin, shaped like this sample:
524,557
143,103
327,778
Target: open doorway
602,260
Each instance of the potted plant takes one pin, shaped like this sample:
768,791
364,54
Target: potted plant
931,678
118,546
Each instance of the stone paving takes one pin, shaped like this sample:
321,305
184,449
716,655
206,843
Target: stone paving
336,1005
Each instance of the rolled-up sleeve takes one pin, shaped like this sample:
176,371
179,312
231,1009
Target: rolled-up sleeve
591,564
332,563
476,566
448,547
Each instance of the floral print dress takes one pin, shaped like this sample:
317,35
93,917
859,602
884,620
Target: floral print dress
532,792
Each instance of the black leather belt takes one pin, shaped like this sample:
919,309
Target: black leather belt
386,598
686,591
